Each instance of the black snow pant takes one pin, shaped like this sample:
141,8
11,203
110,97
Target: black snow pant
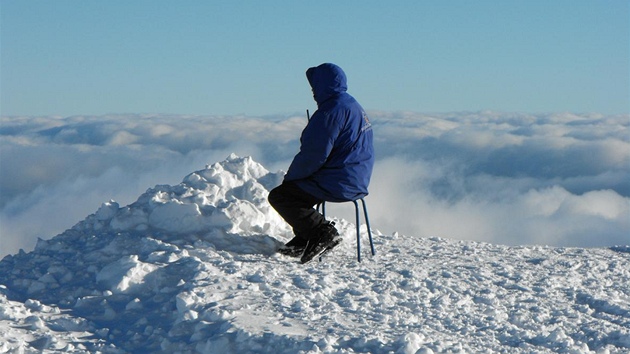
297,208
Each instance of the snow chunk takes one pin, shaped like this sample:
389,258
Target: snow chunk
125,274
410,343
107,210
176,216
129,218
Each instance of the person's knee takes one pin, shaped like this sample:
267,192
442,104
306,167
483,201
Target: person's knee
274,197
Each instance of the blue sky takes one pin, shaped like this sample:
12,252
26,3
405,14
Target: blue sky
248,57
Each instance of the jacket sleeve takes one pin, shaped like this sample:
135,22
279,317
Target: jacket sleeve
316,143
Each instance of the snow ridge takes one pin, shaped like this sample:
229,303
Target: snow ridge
192,268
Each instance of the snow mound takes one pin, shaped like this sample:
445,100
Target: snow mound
192,268
223,200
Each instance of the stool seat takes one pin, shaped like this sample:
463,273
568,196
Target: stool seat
367,223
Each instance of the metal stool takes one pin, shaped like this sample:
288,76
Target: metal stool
367,223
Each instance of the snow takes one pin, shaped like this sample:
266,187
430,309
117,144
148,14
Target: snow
192,268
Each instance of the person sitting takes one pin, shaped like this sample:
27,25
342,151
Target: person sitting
334,164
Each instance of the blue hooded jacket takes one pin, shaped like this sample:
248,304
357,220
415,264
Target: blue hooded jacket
336,153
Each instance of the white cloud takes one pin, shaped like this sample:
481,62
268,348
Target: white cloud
500,212
557,179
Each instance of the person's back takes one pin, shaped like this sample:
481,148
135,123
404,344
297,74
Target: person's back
336,154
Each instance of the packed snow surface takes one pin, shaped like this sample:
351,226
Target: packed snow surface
193,268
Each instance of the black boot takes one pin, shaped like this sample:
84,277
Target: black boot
325,237
294,248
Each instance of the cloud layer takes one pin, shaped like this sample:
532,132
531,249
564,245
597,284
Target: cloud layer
553,179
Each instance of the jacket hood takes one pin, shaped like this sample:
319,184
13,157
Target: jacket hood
326,80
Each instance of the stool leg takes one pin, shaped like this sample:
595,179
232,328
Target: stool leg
356,209
323,204
367,223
